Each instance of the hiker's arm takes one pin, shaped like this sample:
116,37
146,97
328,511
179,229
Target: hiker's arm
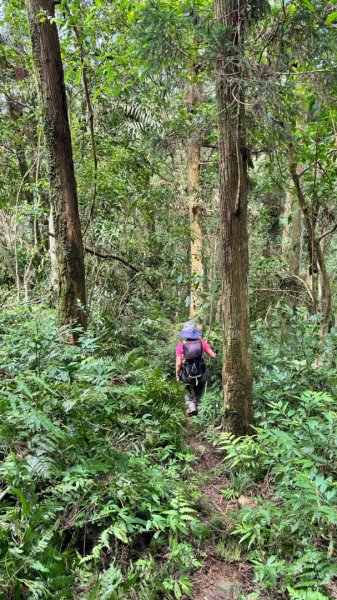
179,362
206,348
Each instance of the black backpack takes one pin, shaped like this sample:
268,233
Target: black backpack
193,366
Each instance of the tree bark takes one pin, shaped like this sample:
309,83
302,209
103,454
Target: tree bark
69,247
52,253
233,188
295,250
292,236
195,213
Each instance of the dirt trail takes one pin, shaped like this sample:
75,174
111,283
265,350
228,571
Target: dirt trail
217,579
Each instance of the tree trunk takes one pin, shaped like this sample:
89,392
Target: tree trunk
233,187
273,208
69,247
314,244
9,263
52,252
292,235
296,237
15,113
193,168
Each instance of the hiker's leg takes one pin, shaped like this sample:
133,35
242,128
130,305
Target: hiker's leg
199,389
190,400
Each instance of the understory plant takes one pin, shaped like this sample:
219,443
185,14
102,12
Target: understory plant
93,462
288,530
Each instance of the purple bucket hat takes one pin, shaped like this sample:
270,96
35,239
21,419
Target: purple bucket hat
190,331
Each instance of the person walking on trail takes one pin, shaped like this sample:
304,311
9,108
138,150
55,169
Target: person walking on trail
190,365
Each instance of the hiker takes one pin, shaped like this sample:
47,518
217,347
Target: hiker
190,365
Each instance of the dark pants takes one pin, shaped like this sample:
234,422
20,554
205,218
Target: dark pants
196,390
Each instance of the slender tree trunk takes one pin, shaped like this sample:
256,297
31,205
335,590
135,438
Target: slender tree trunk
69,247
286,227
9,263
292,235
197,267
52,252
15,112
90,119
195,212
233,184
315,245
296,246
272,203
292,249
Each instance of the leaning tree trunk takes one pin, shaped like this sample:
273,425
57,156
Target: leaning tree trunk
233,184
47,58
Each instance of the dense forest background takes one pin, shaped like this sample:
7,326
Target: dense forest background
167,160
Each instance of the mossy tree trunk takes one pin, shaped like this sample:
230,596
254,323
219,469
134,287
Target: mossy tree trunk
69,247
233,187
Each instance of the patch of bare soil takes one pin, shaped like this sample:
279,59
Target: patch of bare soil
217,579
332,589
207,457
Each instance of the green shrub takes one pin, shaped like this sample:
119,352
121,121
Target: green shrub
93,459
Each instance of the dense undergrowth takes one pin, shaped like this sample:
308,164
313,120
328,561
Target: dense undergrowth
99,491
94,502
289,467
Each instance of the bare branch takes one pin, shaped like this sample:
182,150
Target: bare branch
328,232
123,261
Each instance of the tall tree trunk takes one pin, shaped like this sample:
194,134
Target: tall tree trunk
195,212
69,247
233,187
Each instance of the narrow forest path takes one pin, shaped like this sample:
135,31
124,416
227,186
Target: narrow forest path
218,579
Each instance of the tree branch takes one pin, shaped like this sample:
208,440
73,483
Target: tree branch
123,261
126,264
328,232
112,257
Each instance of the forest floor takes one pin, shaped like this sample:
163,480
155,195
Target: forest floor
218,579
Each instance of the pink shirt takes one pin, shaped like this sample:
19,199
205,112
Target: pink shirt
180,348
